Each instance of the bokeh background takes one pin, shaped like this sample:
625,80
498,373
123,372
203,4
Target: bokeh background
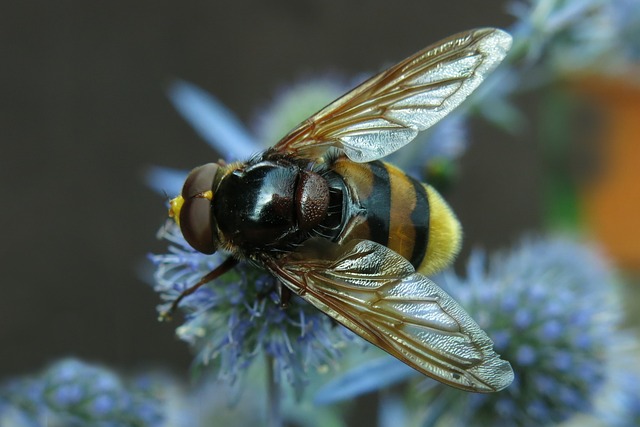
83,112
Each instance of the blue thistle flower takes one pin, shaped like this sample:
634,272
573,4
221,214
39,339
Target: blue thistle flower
618,404
74,393
552,310
626,18
568,36
237,318
554,39
546,24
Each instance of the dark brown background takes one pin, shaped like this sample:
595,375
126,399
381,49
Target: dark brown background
83,111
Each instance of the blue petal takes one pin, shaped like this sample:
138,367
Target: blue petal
563,360
538,410
523,319
150,413
501,339
544,384
68,394
213,121
526,355
66,370
368,376
165,181
551,331
506,407
571,397
102,405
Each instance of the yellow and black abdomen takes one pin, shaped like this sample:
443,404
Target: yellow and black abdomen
401,213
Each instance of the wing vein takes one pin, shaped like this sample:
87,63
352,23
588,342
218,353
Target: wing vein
450,70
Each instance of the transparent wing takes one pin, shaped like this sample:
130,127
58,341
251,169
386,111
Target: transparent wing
387,111
377,294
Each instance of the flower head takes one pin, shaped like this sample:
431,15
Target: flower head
568,36
618,403
238,317
551,308
74,393
626,18
563,34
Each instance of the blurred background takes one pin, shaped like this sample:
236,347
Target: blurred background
84,112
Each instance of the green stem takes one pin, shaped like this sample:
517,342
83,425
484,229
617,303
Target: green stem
274,397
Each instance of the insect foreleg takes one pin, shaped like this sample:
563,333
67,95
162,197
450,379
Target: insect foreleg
227,265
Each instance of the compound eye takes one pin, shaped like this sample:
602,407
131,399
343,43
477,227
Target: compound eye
195,223
196,213
199,180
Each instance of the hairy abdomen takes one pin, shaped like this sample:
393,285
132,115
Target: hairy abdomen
401,213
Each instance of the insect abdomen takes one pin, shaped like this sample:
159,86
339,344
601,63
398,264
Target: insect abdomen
403,214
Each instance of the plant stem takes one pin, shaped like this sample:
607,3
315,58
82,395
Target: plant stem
274,396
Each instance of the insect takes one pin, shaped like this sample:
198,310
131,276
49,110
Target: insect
350,234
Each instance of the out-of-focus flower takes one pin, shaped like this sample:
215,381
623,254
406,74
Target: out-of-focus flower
553,40
618,403
552,309
73,393
561,36
626,18
214,122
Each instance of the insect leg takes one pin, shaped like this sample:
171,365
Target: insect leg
227,265
285,295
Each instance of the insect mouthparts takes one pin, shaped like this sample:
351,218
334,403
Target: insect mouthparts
175,205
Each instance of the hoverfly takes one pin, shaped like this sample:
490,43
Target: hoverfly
350,234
